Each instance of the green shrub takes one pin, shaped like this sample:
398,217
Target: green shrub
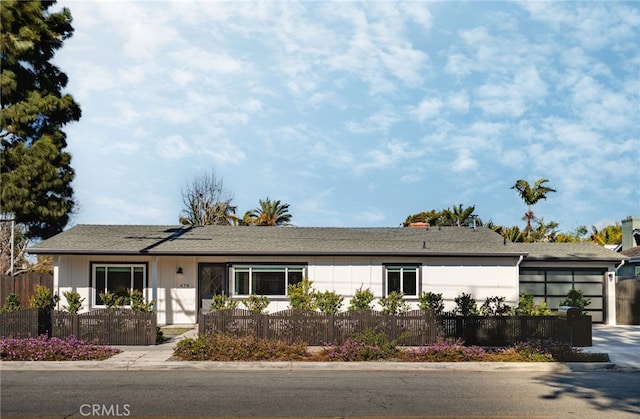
136,299
302,296
527,306
393,303
222,347
42,298
73,300
11,303
432,302
465,305
222,302
361,300
495,306
575,298
256,303
329,302
112,300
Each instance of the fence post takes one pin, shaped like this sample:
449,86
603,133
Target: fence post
265,326
394,326
75,325
331,327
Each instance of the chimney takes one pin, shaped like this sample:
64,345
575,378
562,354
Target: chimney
420,225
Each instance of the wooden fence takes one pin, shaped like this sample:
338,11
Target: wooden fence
109,327
505,330
410,329
628,302
23,285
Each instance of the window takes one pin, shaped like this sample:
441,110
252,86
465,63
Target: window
265,280
402,279
117,279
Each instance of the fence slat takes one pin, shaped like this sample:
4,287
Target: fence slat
413,328
117,327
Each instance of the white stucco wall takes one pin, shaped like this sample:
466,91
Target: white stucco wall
177,294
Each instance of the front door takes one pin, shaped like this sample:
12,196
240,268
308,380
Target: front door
212,280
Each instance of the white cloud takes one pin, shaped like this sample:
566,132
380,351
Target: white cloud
379,122
512,98
386,156
173,147
458,102
202,60
464,162
427,109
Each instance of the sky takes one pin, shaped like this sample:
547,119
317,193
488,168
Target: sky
356,114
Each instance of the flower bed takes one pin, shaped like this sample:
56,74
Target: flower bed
371,347
54,349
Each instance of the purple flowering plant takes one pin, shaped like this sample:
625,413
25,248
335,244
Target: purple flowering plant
53,349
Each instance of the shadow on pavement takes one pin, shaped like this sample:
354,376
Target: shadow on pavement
606,391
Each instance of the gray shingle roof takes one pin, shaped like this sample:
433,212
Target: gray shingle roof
226,240
223,240
633,252
569,251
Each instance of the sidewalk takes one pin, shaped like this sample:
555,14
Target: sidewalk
621,343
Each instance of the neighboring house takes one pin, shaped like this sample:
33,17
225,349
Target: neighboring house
630,232
631,248
631,269
182,267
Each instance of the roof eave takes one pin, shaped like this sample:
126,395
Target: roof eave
84,252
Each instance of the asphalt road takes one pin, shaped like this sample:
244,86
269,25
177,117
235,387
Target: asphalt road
427,394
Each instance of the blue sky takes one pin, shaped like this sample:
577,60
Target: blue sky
356,114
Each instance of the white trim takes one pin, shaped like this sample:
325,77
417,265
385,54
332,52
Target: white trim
250,267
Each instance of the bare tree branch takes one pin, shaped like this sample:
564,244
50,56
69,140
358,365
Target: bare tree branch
206,202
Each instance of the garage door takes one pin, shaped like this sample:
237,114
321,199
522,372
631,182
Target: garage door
552,286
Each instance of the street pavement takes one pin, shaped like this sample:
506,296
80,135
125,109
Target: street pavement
620,343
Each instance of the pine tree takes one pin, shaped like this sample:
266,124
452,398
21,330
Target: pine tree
35,171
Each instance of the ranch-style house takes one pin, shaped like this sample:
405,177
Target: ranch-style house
183,267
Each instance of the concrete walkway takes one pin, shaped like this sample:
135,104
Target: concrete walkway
621,343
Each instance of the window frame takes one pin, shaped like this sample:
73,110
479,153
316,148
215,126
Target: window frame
264,268
416,267
95,293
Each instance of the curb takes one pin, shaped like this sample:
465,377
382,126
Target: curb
549,367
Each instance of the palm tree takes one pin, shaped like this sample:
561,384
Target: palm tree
531,195
270,213
459,216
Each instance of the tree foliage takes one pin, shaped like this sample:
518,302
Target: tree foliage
269,213
206,202
454,216
531,194
35,171
611,234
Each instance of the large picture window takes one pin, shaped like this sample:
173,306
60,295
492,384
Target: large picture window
265,280
117,279
402,279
